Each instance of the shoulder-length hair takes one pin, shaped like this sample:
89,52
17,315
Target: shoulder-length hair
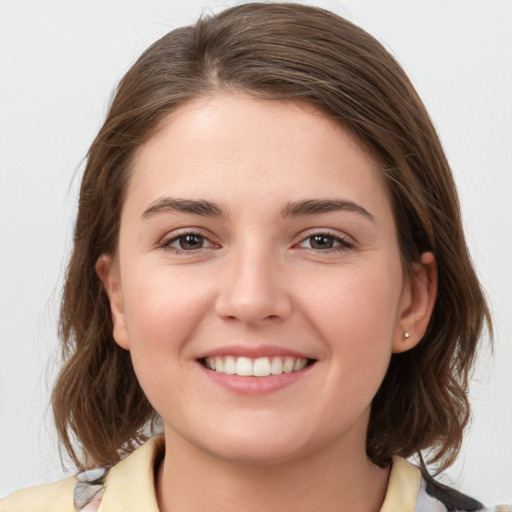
294,52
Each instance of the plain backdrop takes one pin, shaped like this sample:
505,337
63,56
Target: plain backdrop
59,62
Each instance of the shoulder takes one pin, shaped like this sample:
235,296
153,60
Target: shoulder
42,498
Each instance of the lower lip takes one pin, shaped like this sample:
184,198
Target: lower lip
254,385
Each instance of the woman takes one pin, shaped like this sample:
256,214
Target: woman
269,263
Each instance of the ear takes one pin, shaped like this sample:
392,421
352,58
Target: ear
108,272
418,299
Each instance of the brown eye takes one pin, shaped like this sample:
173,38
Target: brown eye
187,242
321,242
326,242
190,242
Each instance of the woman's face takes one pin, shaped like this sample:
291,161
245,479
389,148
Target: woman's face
258,283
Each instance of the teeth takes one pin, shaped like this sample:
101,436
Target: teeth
299,364
230,365
243,366
288,365
276,367
260,367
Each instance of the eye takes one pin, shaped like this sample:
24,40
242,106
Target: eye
325,241
188,242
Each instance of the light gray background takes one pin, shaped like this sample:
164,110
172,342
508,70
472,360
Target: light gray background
59,61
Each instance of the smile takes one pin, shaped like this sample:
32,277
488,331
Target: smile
258,367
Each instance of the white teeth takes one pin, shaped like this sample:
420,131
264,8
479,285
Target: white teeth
276,368
289,362
260,367
229,365
243,366
299,364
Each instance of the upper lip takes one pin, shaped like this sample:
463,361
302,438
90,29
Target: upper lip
253,352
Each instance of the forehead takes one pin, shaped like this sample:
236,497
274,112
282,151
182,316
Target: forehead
239,145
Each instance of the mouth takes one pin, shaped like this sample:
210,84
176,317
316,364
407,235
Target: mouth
255,367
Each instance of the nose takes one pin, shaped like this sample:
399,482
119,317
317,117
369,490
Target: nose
253,289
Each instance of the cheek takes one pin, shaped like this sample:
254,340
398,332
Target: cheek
356,314
163,311
358,299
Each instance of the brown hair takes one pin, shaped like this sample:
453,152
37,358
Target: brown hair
276,51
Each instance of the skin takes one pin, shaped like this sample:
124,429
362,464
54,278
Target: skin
255,278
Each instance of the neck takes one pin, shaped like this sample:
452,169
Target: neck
332,481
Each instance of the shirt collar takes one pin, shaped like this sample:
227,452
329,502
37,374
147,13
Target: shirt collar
130,485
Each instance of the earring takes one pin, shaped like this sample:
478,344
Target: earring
406,335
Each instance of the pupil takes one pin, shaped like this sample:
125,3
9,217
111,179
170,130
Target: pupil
322,242
189,242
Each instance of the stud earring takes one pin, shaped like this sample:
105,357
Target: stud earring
406,335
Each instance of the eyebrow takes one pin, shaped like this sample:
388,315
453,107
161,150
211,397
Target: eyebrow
169,204
317,206
293,209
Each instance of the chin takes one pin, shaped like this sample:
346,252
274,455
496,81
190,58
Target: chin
259,447
256,454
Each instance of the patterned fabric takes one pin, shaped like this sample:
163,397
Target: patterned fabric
89,490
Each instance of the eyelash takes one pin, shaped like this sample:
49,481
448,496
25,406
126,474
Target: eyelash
344,244
167,243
